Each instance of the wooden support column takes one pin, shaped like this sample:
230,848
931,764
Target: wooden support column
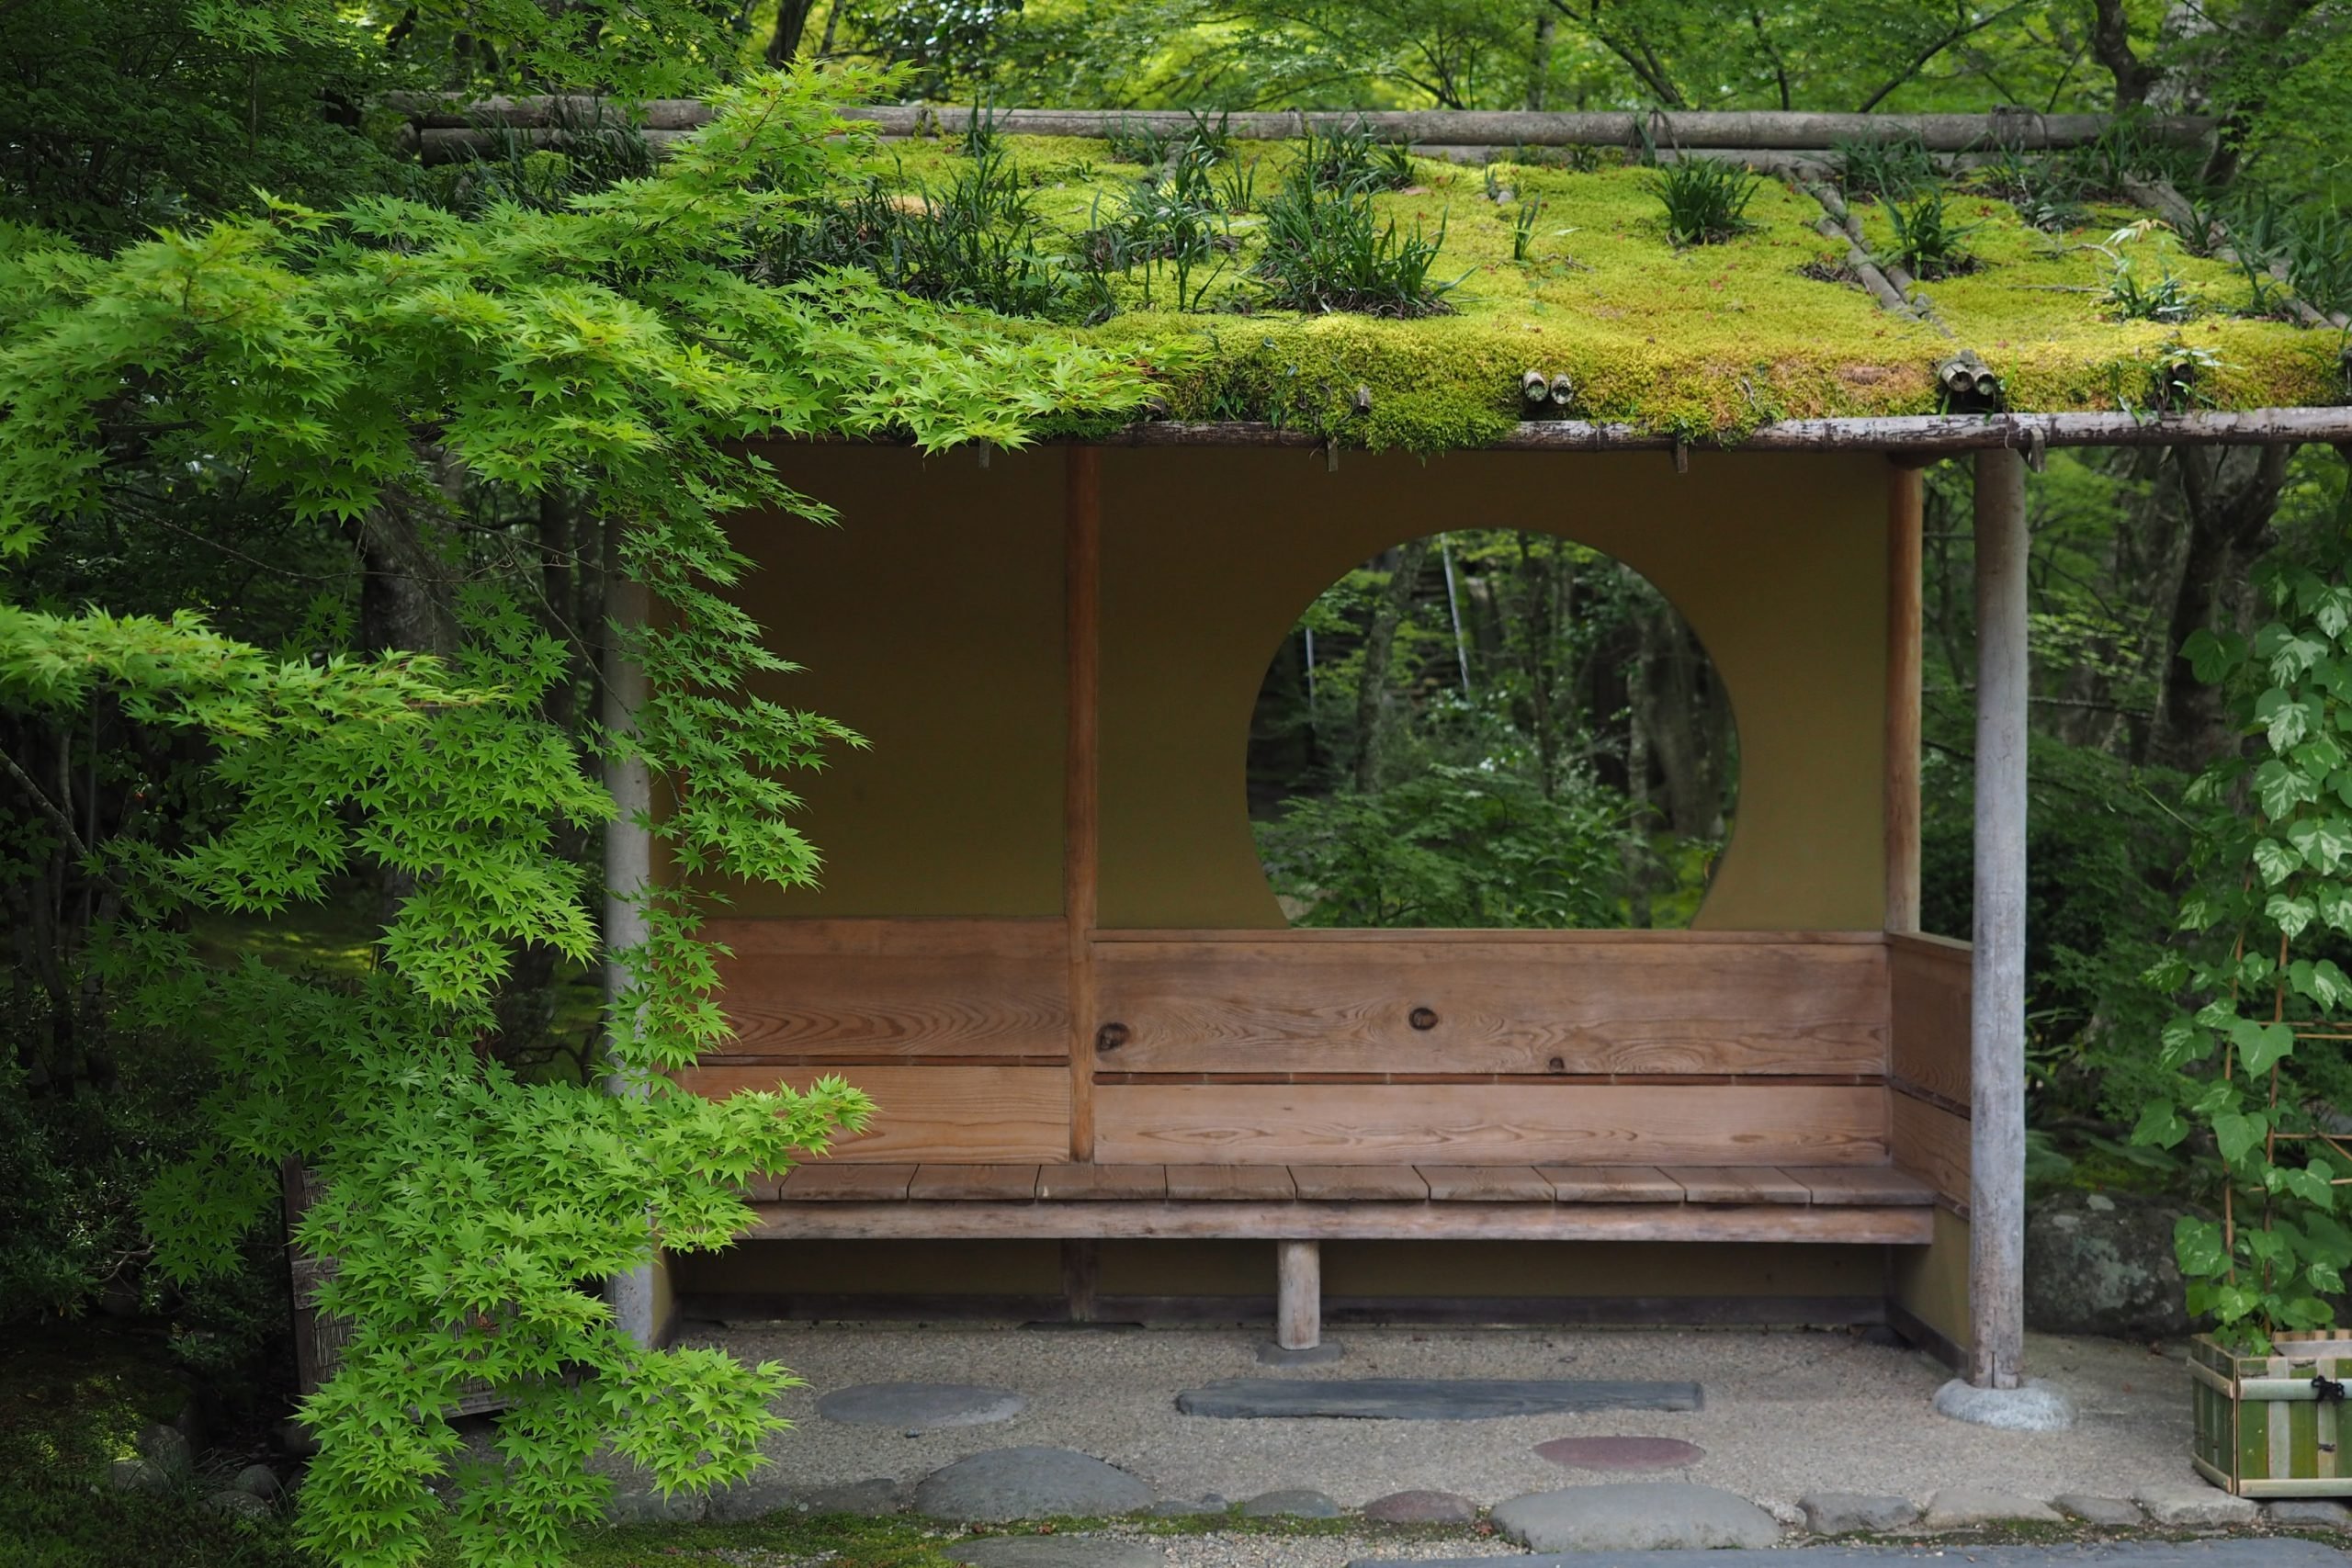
1997,1045
1905,623
1298,1294
638,1298
1081,804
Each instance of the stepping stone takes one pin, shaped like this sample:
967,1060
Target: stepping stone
2109,1513
2254,1553
1028,1482
1635,1516
1428,1399
1963,1507
1852,1513
1290,1503
1055,1551
1178,1509
2194,1502
2308,1513
1421,1508
1621,1453
918,1407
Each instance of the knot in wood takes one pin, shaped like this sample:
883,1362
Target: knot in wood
1556,1065
1110,1037
1422,1018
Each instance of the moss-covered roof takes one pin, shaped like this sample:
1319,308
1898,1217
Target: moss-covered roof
1704,341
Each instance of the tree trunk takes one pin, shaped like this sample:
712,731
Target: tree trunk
2111,44
791,23
1372,691
1539,66
2230,506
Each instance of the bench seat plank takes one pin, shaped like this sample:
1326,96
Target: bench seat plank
1486,1183
1864,1184
1610,1184
1359,1183
1738,1184
828,1181
974,1183
1230,1183
1067,1183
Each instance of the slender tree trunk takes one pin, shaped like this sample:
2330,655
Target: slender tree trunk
2230,507
791,25
1637,854
1539,65
1372,694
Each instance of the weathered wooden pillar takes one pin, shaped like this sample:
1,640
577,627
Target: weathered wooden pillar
1997,1053
1904,623
1298,1297
1081,771
639,1297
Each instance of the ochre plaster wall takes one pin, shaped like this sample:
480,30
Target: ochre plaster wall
929,620
1932,1282
1778,562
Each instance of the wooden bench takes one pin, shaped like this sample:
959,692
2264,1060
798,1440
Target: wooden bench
1298,1206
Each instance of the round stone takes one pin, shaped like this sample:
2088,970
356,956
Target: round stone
918,1407
1422,1507
2037,1406
1290,1503
1621,1454
1031,1482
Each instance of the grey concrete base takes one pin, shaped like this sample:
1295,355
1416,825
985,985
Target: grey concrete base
1428,1399
2193,1504
1972,1507
1635,1515
1272,1355
1855,1513
2251,1553
2111,1513
2037,1406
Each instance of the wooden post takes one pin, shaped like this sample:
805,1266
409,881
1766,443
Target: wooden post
636,1296
1082,1278
1904,623
1997,1046
1298,1295
1082,590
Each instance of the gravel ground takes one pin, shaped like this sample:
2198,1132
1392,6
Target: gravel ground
1786,1413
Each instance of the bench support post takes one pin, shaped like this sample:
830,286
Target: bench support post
1298,1306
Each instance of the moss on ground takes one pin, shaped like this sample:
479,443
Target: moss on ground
1707,341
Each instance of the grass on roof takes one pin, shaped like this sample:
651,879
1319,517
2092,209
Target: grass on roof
1709,340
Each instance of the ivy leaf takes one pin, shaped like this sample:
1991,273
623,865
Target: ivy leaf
2323,845
2197,1243
2287,720
2212,656
2290,915
2183,1043
2281,788
2311,1185
2237,1133
2159,1125
2335,907
2274,860
2261,1045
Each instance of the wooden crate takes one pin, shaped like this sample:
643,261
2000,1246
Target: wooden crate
2265,1428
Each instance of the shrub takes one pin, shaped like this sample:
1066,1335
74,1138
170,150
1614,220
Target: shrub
1927,244
1705,199
1326,250
1892,169
1352,159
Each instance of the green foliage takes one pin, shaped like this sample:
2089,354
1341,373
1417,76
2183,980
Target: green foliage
1894,169
1927,243
2253,1063
1327,250
1350,158
1522,230
2166,300
1705,199
616,348
1455,847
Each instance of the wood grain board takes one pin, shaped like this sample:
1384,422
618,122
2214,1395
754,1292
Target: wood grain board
1230,1183
1933,1143
1568,1005
1928,984
825,1182
1359,1183
1349,1221
1486,1183
1611,1184
1737,1184
973,1183
1490,1124
876,991
1865,1184
950,1114
1067,1183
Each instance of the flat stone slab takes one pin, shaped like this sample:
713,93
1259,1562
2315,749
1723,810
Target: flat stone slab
1963,1507
2308,1513
2034,1406
920,1406
1290,1503
1850,1512
1621,1453
1635,1516
2251,1553
1428,1399
1421,1507
2194,1502
1028,1482
2109,1513
1055,1551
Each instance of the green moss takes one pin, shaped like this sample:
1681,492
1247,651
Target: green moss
1708,341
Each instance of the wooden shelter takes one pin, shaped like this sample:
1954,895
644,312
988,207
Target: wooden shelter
1109,1074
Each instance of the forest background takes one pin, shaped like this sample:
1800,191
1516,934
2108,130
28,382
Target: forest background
1581,716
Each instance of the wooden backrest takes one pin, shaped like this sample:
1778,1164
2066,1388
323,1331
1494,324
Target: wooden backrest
1332,1047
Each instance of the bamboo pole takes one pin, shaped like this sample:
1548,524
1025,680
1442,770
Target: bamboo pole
1996,1034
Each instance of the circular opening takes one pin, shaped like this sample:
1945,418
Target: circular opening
1492,729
